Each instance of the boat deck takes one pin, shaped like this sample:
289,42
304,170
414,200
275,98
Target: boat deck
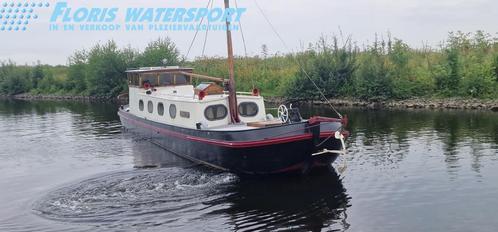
247,126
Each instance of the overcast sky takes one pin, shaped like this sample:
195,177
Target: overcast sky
298,21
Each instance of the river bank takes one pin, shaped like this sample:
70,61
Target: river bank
414,103
28,97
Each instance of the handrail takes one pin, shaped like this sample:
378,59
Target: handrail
241,93
205,77
317,119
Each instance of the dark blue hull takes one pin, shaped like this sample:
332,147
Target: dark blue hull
270,150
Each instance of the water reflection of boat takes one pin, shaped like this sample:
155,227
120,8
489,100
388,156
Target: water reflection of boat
303,204
309,203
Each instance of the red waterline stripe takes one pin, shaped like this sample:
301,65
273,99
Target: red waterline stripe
224,143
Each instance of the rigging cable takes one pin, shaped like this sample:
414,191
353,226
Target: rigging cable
297,61
241,31
244,42
207,31
197,31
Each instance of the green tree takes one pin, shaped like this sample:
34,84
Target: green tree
330,66
77,73
158,52
373,80
105,70
495,67
399,56
14,79
447,80
37,75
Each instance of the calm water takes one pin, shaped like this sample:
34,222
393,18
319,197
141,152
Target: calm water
69,167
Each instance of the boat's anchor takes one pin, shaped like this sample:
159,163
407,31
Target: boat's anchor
343,151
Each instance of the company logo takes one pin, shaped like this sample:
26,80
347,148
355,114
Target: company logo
16,16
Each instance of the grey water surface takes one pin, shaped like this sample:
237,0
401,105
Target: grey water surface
68,166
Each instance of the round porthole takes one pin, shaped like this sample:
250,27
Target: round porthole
150,107
215,112
248,109
141,105
172,111
160,109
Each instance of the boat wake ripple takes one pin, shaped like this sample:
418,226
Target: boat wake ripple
132,198
194,199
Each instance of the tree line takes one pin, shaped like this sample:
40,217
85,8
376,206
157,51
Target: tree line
465,65
99,71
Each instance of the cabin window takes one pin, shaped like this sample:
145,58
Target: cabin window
133,79
160,109
184,114
149,78
136,79
150,107
181,80
141,105
248,109
215,112
172,111
165,79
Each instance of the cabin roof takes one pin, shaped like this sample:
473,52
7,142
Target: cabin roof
204,85
158,69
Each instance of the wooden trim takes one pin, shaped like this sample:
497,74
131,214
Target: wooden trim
174,75
205,77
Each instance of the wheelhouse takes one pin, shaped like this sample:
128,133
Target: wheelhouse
167,95
159,76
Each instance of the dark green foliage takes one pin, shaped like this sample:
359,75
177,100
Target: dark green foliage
495,67
99,71
331,68
271,75
373,79
105,72
402,84
37,75
161,52
77,76
466,65
447,84
14,79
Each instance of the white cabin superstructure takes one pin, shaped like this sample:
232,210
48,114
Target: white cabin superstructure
167,95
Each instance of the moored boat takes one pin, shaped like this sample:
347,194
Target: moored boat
214,125
194,123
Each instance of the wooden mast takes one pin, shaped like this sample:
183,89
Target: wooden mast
232,92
